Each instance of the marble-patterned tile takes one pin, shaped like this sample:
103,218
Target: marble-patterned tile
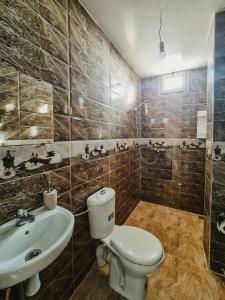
118,174
64,200
198,80
61,101
118,86
62,128
78,35
34,4
219,127
9,132
58,285
85,129
34,119
31,60
79,82
78,59
98,74
55,12
119,159
96,283
55,72
191,232
166,276
83,191
53,41
118,101
36,132
49,273
21,20
35,96
78,13
88,88
219,91
201,284
121,132
122,118
95,54
27,24
88,109
88,170
9,104
97,37
25,193
60,179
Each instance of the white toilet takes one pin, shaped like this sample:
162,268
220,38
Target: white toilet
132,253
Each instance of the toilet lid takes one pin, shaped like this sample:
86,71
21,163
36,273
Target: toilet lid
137,245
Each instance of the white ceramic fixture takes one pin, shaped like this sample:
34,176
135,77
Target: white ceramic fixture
26,250
132,253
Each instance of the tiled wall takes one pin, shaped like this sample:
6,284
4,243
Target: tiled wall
215,202
176,178
67,86
209,145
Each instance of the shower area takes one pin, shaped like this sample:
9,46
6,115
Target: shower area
172,147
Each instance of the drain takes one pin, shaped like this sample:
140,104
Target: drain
32,254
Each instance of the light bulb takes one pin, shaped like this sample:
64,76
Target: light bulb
162,55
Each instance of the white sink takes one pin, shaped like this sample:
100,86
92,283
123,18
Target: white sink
50,232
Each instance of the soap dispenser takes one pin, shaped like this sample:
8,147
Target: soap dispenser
50,197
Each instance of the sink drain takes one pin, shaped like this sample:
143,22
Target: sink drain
32,254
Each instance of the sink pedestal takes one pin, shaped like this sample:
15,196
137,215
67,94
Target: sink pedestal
32,285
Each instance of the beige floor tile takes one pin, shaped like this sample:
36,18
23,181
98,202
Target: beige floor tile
183,275
166,276
156,294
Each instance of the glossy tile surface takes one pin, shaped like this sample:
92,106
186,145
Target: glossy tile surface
176,179
183,275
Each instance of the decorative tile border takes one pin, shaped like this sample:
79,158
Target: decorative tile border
218,151
22,161
190,144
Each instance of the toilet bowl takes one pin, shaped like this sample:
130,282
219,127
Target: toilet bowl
132,253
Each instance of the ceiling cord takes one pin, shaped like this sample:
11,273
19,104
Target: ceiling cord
160,18
160,28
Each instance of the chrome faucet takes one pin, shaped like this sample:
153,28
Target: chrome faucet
23,217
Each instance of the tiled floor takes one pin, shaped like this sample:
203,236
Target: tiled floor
183,276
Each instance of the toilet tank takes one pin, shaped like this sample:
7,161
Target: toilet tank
101,214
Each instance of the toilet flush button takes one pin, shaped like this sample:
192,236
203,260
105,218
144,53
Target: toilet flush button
102,192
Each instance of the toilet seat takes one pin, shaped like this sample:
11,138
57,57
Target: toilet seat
135,245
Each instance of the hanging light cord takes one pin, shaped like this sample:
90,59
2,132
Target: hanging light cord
160,28
160,19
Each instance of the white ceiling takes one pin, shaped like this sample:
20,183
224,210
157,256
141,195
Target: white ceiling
132,25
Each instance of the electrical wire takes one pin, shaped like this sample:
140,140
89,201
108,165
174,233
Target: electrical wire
82,213
160,27
161,10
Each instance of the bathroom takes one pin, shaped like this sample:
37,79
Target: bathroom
112,149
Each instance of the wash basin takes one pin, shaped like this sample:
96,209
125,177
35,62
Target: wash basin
26,250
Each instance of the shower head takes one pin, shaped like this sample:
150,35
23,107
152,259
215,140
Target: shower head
139,106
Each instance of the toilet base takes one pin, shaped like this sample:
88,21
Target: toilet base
130,287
